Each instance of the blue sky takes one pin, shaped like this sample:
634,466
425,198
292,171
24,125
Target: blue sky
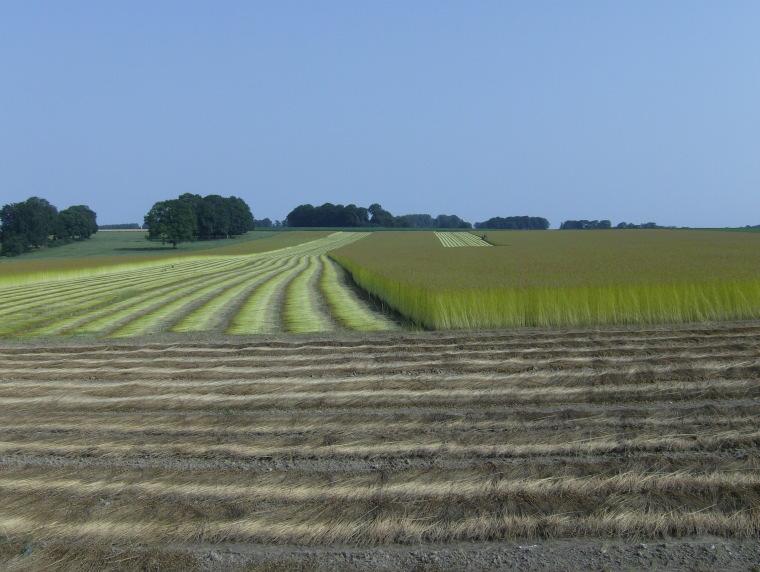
637,111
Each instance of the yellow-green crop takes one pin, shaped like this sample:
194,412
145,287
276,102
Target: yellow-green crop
558,278
278,290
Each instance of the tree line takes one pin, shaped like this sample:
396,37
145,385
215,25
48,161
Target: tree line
332,215
267,223
602,224
515,223
193,217
35,223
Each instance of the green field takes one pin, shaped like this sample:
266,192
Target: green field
132,243
558,278
107,249
290,289
289,282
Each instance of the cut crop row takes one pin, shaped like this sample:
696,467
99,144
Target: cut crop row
236,294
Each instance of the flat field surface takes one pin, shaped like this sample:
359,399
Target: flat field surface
294,289
554,278
223,454
562,258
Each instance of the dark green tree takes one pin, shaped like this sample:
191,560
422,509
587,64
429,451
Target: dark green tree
213,217
416,220
515,223
171,221
585,224
240,216
380,216
26,225
451,221
76,223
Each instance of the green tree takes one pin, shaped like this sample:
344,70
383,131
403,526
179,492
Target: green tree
26,225
171,221
241,218
380,216
76,223
213,217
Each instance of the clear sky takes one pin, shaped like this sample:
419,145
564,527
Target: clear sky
638,110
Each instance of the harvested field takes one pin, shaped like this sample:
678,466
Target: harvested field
278,291
348,444
457,239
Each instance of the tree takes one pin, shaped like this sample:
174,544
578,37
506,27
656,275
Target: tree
515,223
380,216
76,223
451,221
328,215
27,225
213,217
585,224
331,215
643,225
416,220
241,218
302,215
171,221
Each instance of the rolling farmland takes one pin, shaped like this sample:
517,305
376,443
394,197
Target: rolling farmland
289,289
168,452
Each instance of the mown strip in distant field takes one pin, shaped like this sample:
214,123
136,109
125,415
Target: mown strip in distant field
561,278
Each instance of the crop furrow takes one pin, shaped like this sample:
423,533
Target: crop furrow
675,356
302,312
259,313
160,318
673,391
212,314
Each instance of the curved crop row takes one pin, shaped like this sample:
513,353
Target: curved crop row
92,314
294,288
349,310
301,311
153,320
34,294
260,313
212,314
67,303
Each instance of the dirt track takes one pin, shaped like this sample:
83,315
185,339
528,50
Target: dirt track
433,450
